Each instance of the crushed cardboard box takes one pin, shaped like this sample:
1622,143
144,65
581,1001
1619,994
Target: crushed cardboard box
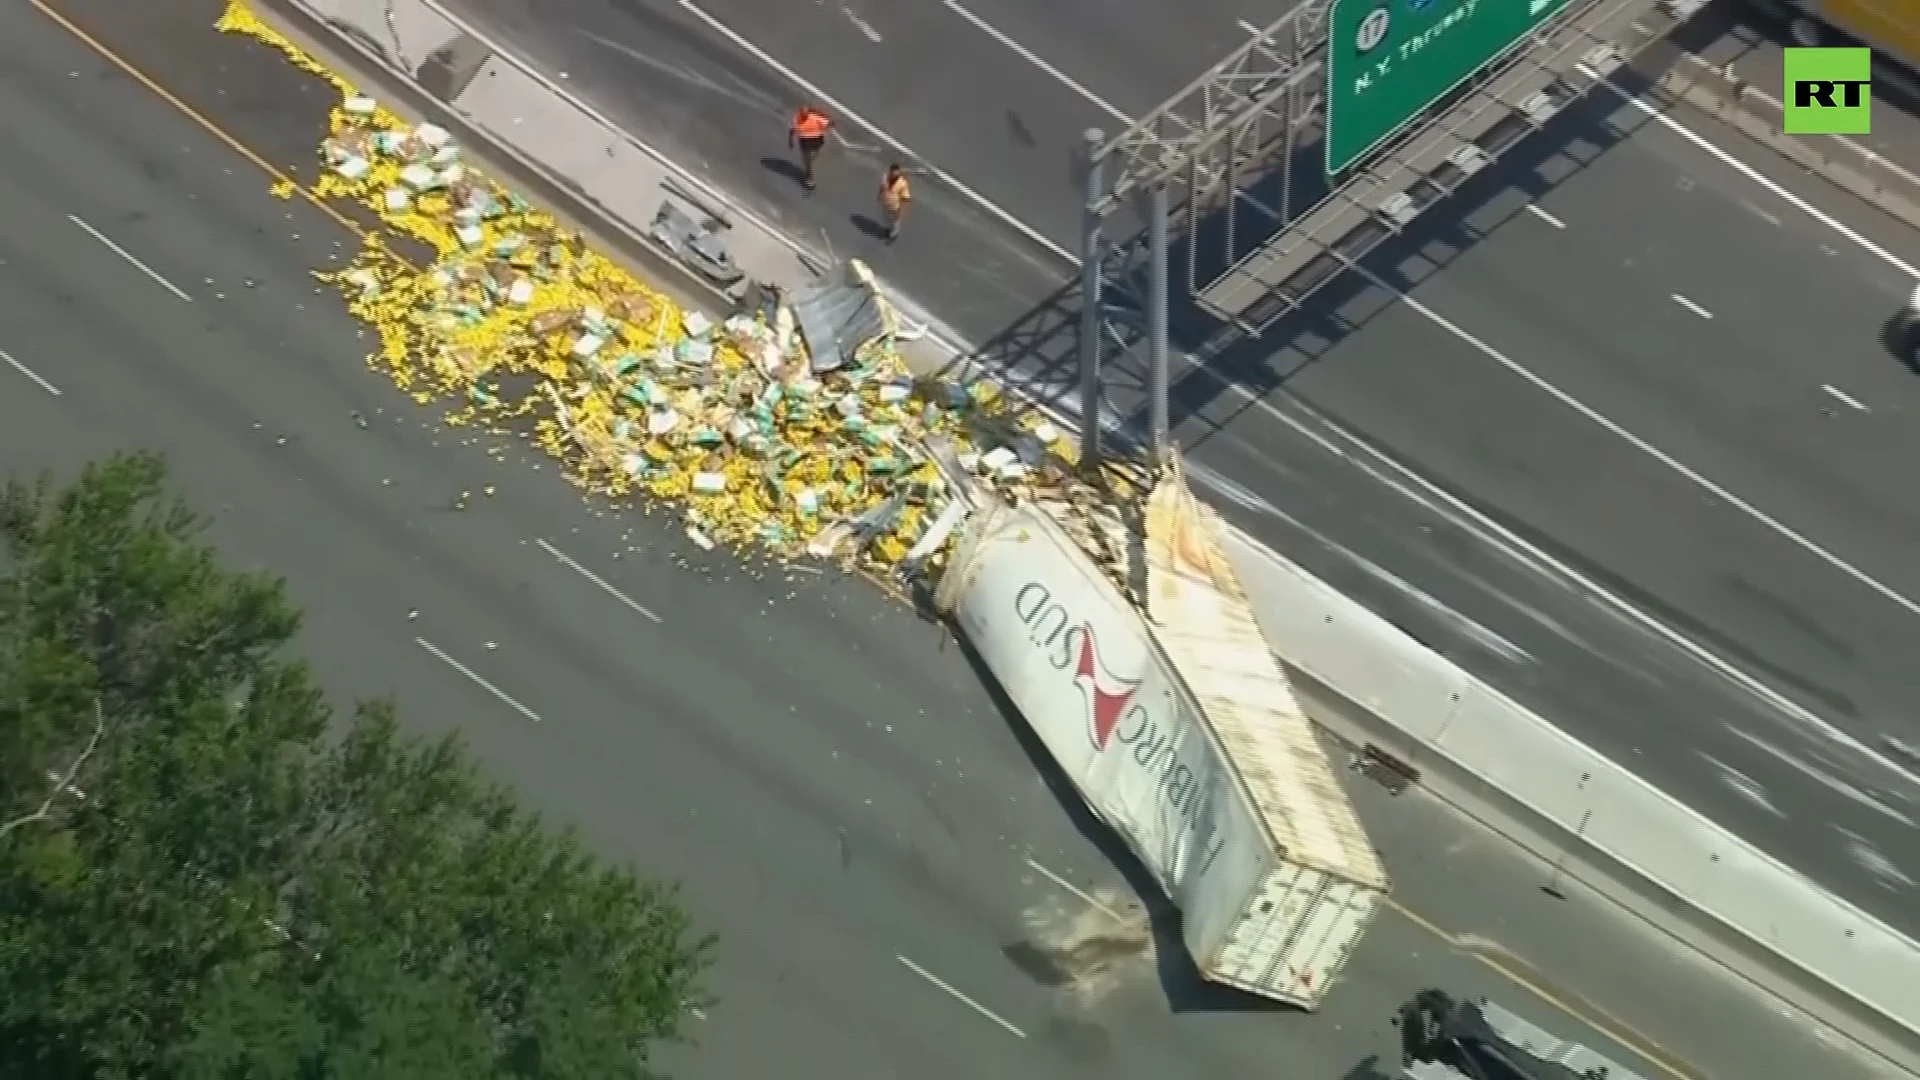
732,422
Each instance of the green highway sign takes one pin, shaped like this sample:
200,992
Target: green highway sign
1387,60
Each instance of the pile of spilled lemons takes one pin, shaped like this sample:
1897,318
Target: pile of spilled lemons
516,321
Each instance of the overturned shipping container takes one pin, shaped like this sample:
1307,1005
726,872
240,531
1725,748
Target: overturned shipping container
1184,737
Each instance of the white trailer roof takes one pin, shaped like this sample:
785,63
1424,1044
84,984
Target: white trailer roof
1202,619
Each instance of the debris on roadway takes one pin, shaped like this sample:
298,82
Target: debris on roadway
791,426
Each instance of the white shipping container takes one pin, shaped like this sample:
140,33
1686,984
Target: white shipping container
1194,804
1200,616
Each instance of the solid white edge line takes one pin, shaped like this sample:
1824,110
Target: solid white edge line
958,996
1033,58
568,562
1757,177
125,254
29,373
477,680
792,76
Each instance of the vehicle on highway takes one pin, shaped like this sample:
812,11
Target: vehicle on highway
1906,331
1445,1039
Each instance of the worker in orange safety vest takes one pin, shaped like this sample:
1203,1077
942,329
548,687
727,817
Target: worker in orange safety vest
809,133
894,197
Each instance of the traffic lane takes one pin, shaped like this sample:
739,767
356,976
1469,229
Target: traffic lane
1648,533
1132,55
1496,605
1750,357
672,81
1762,431
1668,212
1724,159
1777,190
779,780
958,99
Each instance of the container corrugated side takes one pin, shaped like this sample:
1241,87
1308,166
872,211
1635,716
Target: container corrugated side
1202,619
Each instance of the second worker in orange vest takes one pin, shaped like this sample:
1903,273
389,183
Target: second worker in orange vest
809,133
894,197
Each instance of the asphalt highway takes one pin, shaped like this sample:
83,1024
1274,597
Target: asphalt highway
1653,406
842,800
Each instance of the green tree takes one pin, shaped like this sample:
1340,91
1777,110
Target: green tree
203,875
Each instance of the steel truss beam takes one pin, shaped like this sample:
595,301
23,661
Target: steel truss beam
1260,91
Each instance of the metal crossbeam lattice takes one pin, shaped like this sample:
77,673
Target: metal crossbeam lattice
1240,95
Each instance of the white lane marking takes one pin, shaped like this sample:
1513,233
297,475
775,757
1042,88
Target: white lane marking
1691,306
866,28
892,143
958,996
1755,175
568,562
1873,862
29,373
1252,30
1535,210
1844,788
1743,785
1682,468
1074,889
1843,397
1030,57
123,253
477,680
1763,215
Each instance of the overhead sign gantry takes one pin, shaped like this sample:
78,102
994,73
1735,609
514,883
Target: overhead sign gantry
1389,105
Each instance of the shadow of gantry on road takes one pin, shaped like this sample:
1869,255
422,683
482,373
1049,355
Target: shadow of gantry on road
1217,371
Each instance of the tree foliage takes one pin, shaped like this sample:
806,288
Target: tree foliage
205,874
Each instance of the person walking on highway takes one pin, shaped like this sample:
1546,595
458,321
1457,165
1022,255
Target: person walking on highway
809,133
894,197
